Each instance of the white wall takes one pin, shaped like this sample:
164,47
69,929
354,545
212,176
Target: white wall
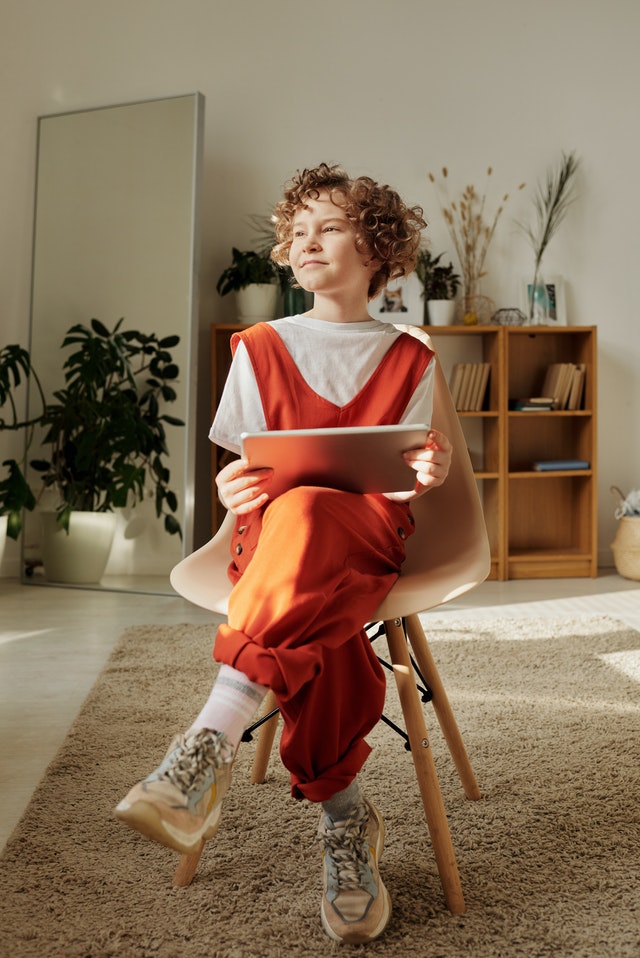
393,90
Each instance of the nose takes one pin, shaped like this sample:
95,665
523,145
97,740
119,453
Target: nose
311,241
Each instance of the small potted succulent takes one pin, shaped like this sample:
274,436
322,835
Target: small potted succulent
252,276
439,284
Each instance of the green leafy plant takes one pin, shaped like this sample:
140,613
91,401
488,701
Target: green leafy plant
15,492
246,268
106,427
438,281
551,204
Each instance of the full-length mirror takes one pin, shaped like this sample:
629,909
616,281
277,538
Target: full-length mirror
116,236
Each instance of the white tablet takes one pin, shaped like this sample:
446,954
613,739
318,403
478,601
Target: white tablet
356,459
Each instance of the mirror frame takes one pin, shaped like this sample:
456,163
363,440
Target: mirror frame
122,161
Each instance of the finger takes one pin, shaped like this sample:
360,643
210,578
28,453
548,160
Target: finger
437,439
243,508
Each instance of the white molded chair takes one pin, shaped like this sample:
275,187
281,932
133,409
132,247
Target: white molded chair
447,556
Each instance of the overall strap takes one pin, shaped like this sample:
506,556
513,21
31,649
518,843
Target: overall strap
290,403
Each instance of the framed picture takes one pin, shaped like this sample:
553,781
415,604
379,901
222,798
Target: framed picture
555,295
400,302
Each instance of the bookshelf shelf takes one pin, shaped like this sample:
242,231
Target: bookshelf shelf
540,524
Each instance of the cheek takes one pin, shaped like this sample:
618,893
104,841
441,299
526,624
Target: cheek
294,252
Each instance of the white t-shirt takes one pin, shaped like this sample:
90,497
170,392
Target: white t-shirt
335,359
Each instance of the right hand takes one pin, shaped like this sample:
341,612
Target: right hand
241,489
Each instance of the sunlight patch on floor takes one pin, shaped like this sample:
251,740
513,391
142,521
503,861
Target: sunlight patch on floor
627,662
6,636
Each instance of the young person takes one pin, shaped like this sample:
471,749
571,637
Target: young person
310,566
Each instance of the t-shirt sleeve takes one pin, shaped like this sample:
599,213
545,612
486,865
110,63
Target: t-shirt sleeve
240,408
420,406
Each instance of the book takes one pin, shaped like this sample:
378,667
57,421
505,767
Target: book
555,465
550,386
474,383
557,383
482,387
532,404
455,383
468,385
465,390
577,387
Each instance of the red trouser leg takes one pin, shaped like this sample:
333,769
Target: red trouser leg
314,566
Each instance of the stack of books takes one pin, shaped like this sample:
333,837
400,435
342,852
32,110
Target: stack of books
560,465
565,382
468,385
532,404
563,388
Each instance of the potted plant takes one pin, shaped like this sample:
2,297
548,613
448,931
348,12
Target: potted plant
294,298
440,284
626,543
15,493
105,431
252,277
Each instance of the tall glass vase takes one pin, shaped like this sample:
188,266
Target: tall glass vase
537,302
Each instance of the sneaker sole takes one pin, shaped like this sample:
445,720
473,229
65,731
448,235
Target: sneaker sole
358,938
145,818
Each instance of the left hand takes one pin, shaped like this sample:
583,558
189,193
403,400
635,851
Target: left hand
431,464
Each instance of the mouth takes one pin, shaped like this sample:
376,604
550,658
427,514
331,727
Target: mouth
313,262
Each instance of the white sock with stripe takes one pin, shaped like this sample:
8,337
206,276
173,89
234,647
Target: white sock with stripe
233,702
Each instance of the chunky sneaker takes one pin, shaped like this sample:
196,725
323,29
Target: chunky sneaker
356,906
179,804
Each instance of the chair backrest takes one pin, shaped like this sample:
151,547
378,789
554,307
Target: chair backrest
446,556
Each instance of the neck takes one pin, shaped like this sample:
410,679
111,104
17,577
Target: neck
339,310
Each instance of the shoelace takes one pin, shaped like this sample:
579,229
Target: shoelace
347,842
194,756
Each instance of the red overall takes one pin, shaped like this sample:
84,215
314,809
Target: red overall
310,568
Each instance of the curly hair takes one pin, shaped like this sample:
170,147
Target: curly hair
384,225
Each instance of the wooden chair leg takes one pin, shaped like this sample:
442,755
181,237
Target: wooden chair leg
442,708
265,742
187,867
425,767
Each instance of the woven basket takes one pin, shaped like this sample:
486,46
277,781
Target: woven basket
626,544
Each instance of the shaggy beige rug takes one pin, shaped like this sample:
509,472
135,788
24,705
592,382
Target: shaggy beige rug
549,858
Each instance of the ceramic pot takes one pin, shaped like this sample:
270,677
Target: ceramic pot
3,536
441,311
256,303
81,556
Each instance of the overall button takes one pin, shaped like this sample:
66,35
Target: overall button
402,533
241,530
238,550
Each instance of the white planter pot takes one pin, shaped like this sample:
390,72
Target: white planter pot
441,311
81,556
257,303
3,536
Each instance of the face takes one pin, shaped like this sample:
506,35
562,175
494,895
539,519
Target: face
323,254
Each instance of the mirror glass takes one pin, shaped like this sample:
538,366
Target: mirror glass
115,235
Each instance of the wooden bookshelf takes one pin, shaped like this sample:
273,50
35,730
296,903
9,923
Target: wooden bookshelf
540,524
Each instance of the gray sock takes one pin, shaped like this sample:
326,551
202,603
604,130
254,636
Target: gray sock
340,805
